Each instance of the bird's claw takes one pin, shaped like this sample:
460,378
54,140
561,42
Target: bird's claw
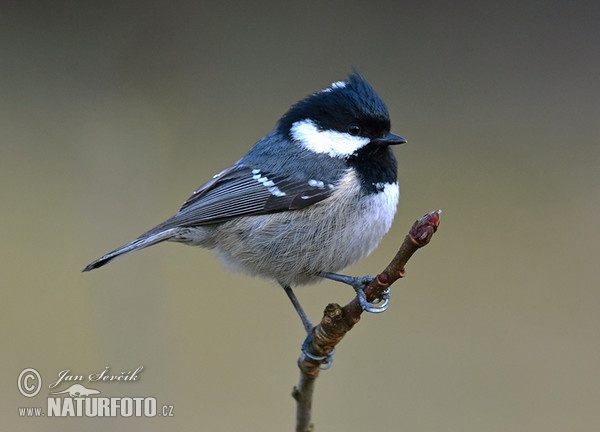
359,284
378,306
326,360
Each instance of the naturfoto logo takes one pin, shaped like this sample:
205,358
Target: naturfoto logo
79,400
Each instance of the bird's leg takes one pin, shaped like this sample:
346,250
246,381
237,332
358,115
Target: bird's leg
308,327
359,284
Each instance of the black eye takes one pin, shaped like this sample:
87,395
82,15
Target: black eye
354,129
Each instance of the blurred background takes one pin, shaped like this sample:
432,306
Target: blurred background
112,113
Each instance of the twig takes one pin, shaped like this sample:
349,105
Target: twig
337,320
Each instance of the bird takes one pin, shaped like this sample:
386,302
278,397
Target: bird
310,198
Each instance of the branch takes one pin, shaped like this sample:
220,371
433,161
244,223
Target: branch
337,320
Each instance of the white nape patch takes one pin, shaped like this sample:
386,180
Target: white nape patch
335,85
334,143
269,184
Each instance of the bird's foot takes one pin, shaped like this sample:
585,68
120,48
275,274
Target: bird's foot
359,284
326,359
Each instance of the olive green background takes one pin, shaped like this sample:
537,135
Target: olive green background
112,114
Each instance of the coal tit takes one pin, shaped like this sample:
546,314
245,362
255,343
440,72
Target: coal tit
312,197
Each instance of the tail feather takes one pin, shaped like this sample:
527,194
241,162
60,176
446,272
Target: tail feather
141,242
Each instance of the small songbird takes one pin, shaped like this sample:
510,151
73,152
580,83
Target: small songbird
312,197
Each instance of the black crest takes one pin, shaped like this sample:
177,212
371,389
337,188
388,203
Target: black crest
344,103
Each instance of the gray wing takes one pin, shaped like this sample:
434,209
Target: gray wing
245,191
236,191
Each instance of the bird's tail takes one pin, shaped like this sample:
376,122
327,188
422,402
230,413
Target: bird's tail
141,242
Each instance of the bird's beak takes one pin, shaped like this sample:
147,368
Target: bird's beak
389,139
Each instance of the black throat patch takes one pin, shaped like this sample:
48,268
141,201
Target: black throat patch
375,165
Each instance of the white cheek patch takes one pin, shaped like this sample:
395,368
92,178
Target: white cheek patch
333,143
